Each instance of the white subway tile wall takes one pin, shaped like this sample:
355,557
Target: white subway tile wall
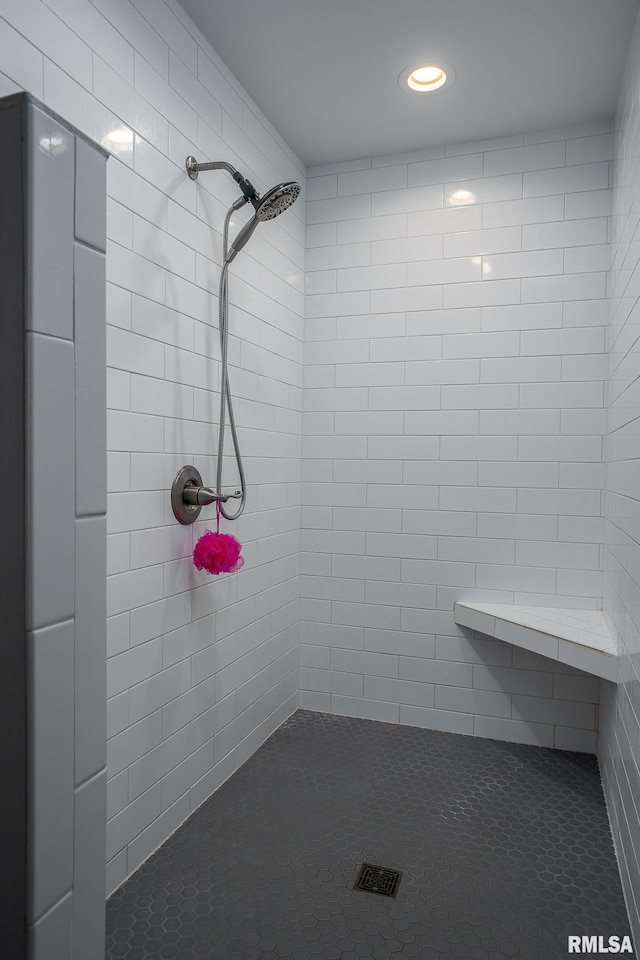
620,725
141,80
456,320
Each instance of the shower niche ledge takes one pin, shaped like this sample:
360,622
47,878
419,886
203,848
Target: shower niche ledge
578,638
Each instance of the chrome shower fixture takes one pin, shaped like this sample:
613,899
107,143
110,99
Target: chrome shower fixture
188,492
194,168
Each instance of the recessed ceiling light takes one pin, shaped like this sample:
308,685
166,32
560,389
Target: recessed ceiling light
426,77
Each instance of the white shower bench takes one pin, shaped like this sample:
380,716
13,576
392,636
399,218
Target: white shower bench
578,638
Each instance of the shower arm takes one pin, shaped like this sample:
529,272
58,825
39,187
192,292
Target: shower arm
248,190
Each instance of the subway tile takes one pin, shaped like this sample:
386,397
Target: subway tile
568,233
405,250
577,286
525,316
478,448
573,179
475,243
515,731
476,550
474,650
466,320
372,181
405,496
520,526
480,396
331,681
396,201
406,398
484,293
590,149
401,594
436,719
90,647
509,680
449,220
53,934
90,372
484,190
443,372
90,195
470,345
467,700
399,691
88,871
560,395
364,662
591,203
449,673
587,259
405,348
564,712
567,502
517,474
50,215
541,156
407,298
439,571
445,423
399,643
463,167
50,765
439,472
513,213
499,499
366,708
50,459
450,270
366,229
520,369
527,264
561,448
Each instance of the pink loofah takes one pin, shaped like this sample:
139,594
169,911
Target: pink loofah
218,553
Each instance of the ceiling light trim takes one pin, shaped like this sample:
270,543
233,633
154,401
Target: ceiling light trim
429,87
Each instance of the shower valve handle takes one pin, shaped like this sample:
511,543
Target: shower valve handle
189,495
203,496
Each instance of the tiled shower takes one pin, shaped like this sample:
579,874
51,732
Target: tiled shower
466,431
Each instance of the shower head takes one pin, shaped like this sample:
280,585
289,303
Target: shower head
276,200
271,205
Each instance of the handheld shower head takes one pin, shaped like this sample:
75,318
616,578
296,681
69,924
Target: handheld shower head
277,200
271,205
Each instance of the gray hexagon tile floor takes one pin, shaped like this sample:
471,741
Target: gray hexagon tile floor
505,851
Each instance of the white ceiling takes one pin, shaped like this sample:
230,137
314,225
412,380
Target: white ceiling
325,72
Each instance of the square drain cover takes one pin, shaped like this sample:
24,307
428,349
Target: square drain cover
382,880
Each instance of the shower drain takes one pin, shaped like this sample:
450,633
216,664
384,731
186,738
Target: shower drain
382,880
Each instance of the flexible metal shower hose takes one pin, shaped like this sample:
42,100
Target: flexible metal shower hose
226,405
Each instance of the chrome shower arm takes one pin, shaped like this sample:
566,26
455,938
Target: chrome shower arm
248,190
194,168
